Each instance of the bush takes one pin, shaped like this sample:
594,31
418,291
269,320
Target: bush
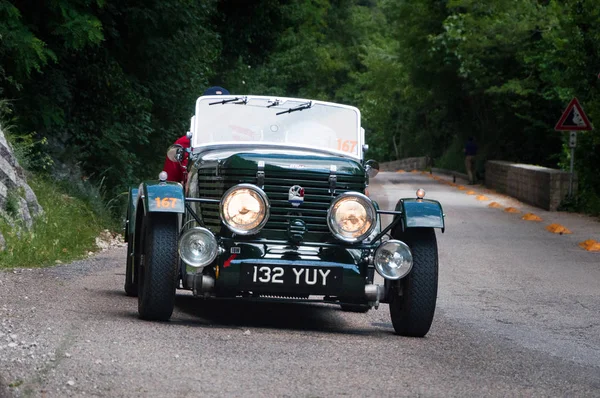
11,207
453,158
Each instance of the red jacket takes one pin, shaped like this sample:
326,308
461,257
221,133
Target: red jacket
174,169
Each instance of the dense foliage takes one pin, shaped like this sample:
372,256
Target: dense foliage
111,83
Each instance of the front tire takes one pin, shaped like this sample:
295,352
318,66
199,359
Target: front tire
158,271
413,298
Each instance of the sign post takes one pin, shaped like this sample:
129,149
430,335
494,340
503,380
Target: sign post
573,120
572,145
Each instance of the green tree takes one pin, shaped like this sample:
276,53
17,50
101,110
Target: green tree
109,83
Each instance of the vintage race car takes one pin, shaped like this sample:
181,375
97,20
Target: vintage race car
273,207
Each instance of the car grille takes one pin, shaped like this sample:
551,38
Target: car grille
276,185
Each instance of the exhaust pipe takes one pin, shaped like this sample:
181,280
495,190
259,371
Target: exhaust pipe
202,285
374,293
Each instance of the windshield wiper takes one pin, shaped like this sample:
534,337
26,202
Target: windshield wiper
301,107
239,100
273,103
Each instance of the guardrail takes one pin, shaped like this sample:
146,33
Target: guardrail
539,186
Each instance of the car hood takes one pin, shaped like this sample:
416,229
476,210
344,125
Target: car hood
277,161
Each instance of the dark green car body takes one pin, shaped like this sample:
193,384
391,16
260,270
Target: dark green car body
282,171
295,256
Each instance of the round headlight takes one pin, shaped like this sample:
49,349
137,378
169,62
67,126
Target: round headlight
244,209
198,247
393,259
351,217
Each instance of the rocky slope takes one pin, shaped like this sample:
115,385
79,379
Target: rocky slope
18,203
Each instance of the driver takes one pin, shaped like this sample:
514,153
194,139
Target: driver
175,170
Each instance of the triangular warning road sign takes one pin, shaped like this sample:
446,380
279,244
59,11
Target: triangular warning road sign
573,118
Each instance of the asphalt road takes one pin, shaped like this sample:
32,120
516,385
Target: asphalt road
518,315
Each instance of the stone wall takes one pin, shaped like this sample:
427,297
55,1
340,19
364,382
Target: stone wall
13,185
407,164
539,186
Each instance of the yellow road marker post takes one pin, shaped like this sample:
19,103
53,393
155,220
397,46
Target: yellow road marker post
558,229
531,217
590,245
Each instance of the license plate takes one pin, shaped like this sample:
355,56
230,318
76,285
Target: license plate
274,276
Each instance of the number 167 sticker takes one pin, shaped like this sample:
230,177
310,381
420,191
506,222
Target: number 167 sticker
346,145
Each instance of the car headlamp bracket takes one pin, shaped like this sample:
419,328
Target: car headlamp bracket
394,222
332,179
260,175
198,200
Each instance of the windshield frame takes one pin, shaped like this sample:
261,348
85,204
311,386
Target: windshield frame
279,107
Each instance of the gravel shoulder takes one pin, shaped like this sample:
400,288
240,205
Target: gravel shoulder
37,319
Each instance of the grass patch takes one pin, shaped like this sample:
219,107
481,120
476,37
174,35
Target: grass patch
12,203
65,232
15,383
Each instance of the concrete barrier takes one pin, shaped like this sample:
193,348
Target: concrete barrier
539,186
408,164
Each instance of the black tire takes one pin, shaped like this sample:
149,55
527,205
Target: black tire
158,271
413,298
131,272
358,308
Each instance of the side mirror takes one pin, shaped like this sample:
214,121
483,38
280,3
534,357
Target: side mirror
372,168
175,153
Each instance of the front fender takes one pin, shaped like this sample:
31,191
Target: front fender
132,199
161,197
421,213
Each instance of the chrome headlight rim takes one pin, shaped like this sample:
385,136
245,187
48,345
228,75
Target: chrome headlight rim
369,208
265,201
208,260
379,268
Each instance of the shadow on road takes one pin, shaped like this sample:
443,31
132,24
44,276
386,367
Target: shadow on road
292,316
111,293
193,311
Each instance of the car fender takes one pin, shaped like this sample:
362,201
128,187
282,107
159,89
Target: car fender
161,197
420,213
132,199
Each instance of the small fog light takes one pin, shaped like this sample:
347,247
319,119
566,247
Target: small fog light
198,247
393,259
420,193
162,176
